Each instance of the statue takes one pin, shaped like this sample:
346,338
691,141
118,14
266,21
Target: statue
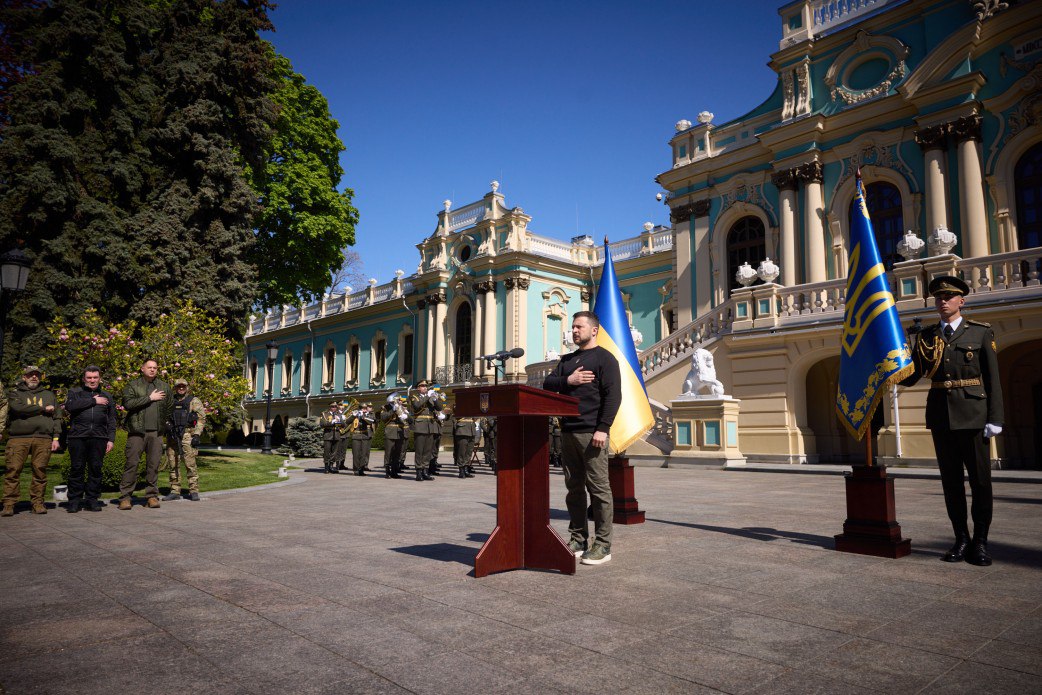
702,376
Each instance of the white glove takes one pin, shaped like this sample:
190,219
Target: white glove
403,417
441,416
991,430
432,397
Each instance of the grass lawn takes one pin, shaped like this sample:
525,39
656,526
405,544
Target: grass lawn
218,470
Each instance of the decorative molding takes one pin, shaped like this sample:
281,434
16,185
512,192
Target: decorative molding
785,180
509,283
436,298
681,213
885,156
966,128
523,283
585,294
811,172
988,8
864,47
702,207
932,138
485,286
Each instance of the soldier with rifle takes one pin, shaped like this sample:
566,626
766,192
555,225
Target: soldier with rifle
184,427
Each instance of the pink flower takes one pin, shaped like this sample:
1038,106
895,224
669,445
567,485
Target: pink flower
191,352
164,372
211,376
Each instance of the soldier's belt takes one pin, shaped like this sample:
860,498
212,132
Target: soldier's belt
423,417
955,383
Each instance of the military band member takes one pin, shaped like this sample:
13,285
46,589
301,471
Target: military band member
555,442
440,424
331,422
490,430
396,435
344,441
963,409
465,433
361,437
425,406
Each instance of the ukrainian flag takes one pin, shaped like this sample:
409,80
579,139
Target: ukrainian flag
874,352
634,417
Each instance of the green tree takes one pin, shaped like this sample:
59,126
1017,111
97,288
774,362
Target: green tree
186,343
305,222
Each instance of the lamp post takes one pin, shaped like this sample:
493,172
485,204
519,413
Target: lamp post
14,272
273,352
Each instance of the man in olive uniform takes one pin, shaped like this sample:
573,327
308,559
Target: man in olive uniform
490,428
555,442
361,437
963,409
331,422
439,424
425,407
33,430
147,400
465,433
344,440
187,421
396,435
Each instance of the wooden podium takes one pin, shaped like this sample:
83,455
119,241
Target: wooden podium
523,537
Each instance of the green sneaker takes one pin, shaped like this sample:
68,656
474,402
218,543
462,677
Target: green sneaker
597,555
577,547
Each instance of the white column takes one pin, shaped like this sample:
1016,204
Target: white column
972,208
813,202
488,295
703,299
786,183
428,324
438,331
683,256
932,140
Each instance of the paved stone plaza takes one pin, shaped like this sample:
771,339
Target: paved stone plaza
364,585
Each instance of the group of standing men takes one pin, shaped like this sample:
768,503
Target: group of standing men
423,415
158,417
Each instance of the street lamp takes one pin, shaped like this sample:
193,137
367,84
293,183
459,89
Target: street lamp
14,272
273,352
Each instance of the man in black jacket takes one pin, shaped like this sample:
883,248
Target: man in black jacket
590,374
92,432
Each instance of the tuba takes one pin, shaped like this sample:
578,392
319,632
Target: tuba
346,429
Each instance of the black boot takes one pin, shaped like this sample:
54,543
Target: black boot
427,476
470,471
419,475
978,552
462,471
958,551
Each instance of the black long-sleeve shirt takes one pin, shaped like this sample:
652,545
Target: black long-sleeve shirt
88,419
599,400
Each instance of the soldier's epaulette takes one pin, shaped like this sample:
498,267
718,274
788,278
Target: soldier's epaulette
978,323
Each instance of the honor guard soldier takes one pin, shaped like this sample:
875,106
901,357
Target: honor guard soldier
361,437
396,435
331,422
187,421
555,442
425,407
465,433
963,409
490,429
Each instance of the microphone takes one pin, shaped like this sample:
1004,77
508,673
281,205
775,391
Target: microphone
503,355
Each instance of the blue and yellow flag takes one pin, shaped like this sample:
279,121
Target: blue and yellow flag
634,417
873,350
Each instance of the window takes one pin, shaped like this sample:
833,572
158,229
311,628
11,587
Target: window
745,244
269,378
253,376
405,356
464,254
329,366
305,371
287,373
1027,179
352,373
379,359
464,338
883,201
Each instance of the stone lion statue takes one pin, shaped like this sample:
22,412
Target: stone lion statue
702,375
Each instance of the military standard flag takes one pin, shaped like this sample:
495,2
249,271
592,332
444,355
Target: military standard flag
874,352
634,417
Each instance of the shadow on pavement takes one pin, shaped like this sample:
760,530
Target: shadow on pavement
446,552
759,533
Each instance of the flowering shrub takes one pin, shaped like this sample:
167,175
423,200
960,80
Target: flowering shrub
186,343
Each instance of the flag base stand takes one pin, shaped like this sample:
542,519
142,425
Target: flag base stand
871,527
620,476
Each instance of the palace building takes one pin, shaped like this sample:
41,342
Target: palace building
938,103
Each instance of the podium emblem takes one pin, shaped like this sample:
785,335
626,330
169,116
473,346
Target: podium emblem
483,402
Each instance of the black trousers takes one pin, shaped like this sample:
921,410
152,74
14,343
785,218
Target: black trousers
958,450
86,454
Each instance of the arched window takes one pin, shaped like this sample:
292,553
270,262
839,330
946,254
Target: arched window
883,201
1027,179
464,332
745,244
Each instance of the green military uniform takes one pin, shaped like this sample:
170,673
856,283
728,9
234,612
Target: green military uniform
32,429
396,436
361,438
490,429
146,423
332,422
965,395
182,441
465,433
555,442
425,409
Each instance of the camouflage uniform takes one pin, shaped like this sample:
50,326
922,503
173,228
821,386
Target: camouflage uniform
179,440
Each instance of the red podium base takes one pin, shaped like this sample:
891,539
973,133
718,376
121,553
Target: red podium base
620,476
871,527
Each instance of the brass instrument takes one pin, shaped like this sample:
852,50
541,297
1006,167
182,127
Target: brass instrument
346,429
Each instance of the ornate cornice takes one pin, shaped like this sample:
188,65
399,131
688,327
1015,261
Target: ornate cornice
811,172
966,128
523,283
681,213
436,298
785,180
702,208
932,138
485,286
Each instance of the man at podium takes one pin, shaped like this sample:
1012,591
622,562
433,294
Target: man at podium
590,374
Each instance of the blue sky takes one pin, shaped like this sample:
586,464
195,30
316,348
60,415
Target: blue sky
569,105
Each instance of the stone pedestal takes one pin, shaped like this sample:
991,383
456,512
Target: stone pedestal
705,430
871,527
620,476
